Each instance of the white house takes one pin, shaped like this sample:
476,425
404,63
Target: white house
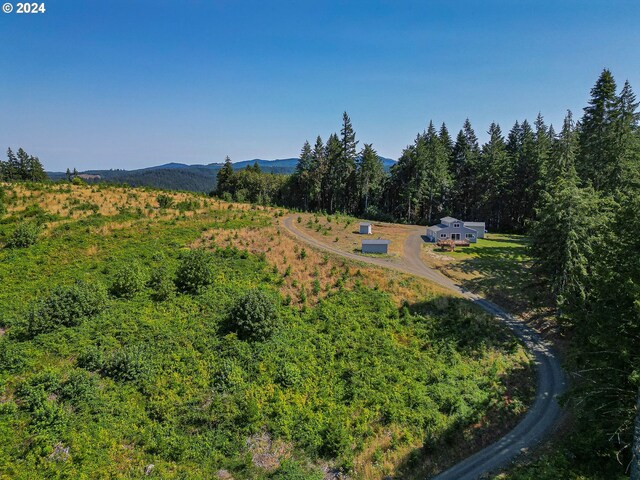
365,228
451,228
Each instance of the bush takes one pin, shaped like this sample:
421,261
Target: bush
3,208
195,271
293,470
67,306
164,201
161,284
129,364
25,235
254,316
128,280
80,386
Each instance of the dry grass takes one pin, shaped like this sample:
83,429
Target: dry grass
301,268
343,232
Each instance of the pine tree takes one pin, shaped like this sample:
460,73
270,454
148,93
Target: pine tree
370,175
224,177
35,170
348,182
597,160
626,171
494,173
433,173
302,175
337,175
561,161
318,174
464,169
68,174
12,167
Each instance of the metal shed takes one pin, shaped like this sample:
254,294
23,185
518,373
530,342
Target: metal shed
365,228
375,246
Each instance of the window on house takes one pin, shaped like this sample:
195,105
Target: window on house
443,235
470,235
456,225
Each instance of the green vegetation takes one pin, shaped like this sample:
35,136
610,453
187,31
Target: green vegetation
195,355
25,235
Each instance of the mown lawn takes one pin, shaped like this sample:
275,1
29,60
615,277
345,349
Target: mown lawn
498,267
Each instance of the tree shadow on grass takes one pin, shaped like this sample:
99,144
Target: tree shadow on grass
465,325
501,274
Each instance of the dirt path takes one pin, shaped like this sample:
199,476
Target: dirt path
544,414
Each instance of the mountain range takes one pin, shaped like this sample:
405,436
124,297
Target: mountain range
181,176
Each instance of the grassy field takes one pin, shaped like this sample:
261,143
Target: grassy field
498,267
135,372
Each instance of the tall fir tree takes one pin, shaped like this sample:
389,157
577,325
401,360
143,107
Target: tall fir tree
494,173
370,176
597,160
224,177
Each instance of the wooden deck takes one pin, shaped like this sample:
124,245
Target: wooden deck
450,245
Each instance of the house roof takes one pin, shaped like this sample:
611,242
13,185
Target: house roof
474,224
449,219
376,242
438,227
364,224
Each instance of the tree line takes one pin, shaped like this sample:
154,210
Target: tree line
499,182
586,246
21,167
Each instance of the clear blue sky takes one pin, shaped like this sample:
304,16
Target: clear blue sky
133,83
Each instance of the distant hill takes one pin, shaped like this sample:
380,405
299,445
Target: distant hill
181,176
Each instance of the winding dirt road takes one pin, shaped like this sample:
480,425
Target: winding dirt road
545,412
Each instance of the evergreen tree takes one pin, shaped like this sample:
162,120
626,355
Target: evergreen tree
23,165
337,175
318,174
370,176
347,166
467,189
433,173
68,174
626,172
12,167
494,173
302,175
561,161
598,160
224,177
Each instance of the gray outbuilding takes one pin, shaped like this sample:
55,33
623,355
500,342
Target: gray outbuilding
375,246
365,228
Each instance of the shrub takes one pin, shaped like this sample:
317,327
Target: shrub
129,364
67,306
164,201
161,284
128,280
80,386
3,208
294,470
254,316
11,357
25,235
195,271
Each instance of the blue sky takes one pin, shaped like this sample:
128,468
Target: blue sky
133,83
